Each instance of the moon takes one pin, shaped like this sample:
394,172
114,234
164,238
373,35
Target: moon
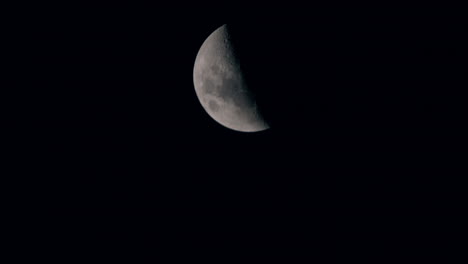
221,87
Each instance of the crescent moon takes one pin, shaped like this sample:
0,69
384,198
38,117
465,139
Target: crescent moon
221,87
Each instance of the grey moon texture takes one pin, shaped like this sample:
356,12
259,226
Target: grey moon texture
221,87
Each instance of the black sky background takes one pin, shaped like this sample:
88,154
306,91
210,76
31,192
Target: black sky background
368,123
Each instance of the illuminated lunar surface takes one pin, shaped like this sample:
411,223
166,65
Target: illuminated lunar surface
221,86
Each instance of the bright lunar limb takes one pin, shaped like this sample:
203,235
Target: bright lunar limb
221,86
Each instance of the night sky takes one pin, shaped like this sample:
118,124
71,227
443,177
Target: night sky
367,122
